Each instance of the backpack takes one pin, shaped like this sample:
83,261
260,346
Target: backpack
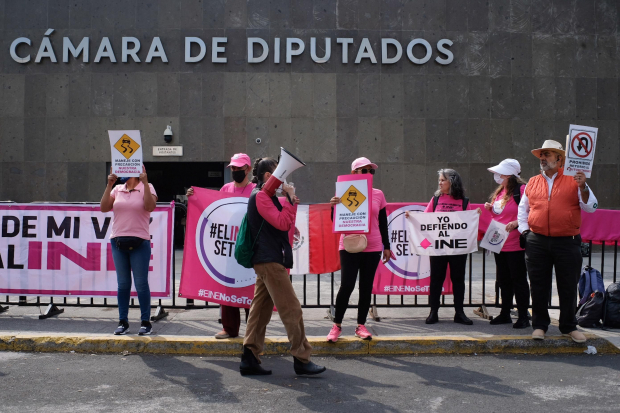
516,194
244,246
591,312
591,280
611,312
436,201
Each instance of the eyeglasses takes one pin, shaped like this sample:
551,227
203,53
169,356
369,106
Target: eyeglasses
365,171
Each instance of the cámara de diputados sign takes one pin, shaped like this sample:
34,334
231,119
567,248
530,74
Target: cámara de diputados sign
258,50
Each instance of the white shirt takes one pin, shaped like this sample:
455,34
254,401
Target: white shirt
524,205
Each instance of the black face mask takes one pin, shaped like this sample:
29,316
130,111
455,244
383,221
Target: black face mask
238,176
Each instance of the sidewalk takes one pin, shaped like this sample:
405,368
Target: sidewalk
400,331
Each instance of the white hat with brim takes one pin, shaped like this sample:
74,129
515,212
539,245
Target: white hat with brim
507,167
552,146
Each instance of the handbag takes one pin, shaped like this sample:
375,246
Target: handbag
128,243
354,243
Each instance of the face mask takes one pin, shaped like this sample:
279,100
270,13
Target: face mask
238,176
123,179
498,178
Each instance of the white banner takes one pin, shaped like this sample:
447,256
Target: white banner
64,250
301,243
444,233
495,237
580,146
126,147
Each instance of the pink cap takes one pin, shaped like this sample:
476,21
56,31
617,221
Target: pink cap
240,159
359,162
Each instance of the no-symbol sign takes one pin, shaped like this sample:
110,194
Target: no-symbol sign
582,145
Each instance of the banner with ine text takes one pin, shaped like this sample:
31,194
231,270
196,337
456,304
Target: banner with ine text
64,250
444,233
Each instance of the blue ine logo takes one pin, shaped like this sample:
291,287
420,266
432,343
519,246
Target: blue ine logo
496,238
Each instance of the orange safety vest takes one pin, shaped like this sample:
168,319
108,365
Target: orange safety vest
558,215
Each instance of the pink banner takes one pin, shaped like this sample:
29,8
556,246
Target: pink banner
406,273
210,271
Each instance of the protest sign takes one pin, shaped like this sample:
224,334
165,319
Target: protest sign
444,233
64,250
495,237
352,214
580,146
406,273
126,147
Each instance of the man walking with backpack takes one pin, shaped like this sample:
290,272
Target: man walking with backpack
549,222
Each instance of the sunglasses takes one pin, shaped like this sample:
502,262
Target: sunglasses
366,171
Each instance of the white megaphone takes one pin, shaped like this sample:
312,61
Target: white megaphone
287,164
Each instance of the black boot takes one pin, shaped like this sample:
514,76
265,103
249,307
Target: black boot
502,318
308,368
250,365
522,321
461,318
432,318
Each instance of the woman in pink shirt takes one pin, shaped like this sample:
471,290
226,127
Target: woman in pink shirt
241,166
449,197
365,263
132,204
510,262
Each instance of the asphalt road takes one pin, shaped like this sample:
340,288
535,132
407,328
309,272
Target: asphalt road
81,382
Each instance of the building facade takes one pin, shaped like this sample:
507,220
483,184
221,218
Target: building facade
476,81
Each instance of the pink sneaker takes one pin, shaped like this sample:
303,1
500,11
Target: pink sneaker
362,333
334,333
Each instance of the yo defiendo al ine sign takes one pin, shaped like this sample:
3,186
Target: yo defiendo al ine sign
259,50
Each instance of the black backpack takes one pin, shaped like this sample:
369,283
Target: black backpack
611,313
590,313
436,201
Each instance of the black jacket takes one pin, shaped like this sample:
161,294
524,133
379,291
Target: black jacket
272,244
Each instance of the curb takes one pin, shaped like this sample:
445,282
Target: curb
346,346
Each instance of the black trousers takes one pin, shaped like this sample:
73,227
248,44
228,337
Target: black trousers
439,266
512,280
366,264
542,254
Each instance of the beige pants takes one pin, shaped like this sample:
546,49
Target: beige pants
273,286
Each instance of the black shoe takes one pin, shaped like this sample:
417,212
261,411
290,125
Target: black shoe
122,329
502,318
461,318
522,322
145,328
308,368
432,318
250,366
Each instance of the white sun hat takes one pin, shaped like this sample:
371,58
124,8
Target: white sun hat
507,167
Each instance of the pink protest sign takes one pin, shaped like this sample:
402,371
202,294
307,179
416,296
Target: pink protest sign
210,271
352,214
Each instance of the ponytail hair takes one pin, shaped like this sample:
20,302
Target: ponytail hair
261,166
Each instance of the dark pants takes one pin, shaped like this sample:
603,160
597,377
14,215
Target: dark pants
366,264
512,280
439,266
542,254
231,319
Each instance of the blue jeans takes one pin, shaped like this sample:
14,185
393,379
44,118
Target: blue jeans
136,260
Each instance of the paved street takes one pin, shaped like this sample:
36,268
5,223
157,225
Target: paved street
77,382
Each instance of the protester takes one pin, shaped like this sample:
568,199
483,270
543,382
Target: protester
449,197
132,203
241,166
365,262
271,221
510,262
549,221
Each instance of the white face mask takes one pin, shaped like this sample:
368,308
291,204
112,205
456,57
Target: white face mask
498,178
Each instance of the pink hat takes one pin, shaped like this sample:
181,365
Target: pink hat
359,162
240,159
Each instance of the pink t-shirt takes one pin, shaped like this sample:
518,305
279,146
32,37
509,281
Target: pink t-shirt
505,216
375,243
130,218
447,204
242,191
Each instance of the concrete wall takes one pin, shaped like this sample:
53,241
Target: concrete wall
523,71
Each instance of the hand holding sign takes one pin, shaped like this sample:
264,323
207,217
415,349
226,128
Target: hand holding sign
112,178
580,146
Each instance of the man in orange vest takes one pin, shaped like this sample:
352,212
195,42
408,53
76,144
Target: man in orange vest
549,221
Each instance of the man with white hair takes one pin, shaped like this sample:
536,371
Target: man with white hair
549,222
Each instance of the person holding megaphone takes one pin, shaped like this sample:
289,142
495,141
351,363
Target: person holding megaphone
270,220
